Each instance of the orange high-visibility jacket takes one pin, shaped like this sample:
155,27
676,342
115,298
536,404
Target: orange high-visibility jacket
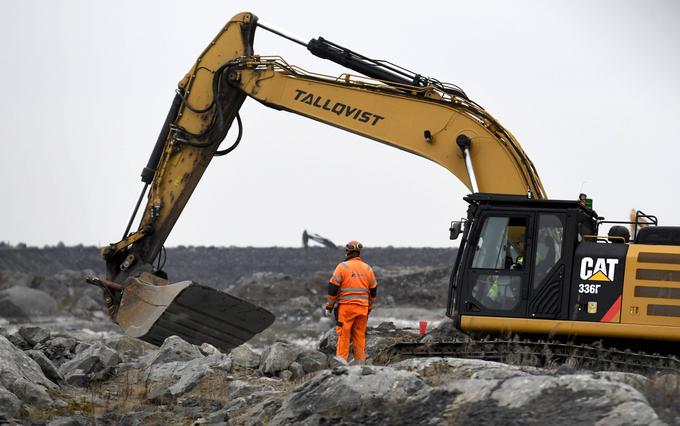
352,282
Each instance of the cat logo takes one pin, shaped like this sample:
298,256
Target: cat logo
598,269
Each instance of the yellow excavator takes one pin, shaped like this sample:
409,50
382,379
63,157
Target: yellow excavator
525,264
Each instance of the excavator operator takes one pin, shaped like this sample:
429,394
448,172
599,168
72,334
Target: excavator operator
352,290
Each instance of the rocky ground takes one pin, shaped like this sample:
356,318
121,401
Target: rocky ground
63,362
59,378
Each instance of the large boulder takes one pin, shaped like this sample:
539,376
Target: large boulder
24,302
47,366
58,349
23,377
312,361
9,405
175,378
175,349
489,392
244,356
34,335
351,395
95,362
279,357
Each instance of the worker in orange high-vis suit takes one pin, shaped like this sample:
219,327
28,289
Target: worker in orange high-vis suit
351,292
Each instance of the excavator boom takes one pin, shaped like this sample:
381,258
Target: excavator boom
424,121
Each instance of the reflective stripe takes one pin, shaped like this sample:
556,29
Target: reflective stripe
353,296
337,278
353,290
344,265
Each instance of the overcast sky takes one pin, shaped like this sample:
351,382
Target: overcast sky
589,88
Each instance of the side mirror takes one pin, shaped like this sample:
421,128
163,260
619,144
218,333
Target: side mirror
455,229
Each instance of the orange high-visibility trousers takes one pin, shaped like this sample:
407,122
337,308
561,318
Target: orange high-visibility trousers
351,322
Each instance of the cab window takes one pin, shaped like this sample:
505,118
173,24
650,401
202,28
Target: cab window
501,244
548,247
500,247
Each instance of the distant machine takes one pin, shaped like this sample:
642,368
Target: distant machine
306,236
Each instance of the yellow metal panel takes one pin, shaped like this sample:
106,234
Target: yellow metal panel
634,309
569,328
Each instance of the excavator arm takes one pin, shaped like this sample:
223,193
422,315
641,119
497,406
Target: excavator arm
387,103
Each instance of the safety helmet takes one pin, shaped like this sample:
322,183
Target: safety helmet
354,245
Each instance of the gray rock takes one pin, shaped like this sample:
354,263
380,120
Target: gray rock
70,421
80,347
77,378
312,361
489,392
463,368
18,341
297,370
175,349
47,367
639,382
328,342
24,302
31,393
58,349
386,326
191,377
176,378
241,388
9,405
609,402
220,362
278,357
34,335
444,332
208,349
244,356
367,371
95,362
128,347
22,376
349,394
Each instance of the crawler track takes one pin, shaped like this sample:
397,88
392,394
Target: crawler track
547,354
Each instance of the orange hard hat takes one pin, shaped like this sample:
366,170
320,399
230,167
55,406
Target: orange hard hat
353,245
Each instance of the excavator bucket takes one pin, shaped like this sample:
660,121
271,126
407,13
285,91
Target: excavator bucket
196,313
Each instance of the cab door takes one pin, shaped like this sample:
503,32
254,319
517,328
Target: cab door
497,269
550,266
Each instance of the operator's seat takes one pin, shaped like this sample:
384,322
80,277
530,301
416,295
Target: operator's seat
659,235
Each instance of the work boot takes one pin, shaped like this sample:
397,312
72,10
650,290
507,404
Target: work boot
358,362
338,361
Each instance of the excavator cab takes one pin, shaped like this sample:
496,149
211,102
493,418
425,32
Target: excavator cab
516,257
539,267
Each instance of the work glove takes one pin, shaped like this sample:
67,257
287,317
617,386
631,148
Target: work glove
327,312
